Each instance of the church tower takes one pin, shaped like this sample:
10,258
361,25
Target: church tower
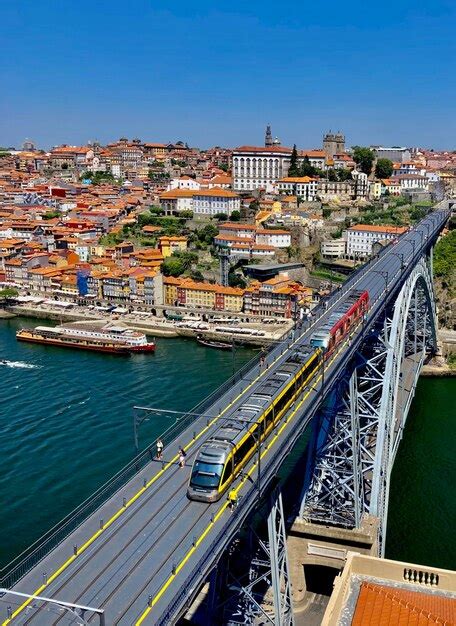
268,141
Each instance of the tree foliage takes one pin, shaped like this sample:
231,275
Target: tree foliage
178,263
445,259
207,233
294,169
365,158
383,168
8,292
235,216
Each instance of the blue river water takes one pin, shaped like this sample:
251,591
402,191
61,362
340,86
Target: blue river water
66,427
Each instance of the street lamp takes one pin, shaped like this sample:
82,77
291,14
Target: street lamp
400,256
385,275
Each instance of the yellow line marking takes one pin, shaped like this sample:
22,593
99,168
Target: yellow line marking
132,500
236,489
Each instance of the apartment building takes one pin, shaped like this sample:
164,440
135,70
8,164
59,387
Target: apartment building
361,237
277,297
186,292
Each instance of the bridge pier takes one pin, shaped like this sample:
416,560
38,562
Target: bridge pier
317,554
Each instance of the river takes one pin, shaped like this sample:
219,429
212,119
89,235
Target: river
66,427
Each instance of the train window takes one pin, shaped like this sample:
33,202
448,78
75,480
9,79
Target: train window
228,471
244,449
268,417
206,474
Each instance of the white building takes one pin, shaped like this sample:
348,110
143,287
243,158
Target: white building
361,237
395,154
184,182
301,186
258,167
213,201
333,249
274,237
412,181
177,200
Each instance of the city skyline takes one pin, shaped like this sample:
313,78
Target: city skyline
213,76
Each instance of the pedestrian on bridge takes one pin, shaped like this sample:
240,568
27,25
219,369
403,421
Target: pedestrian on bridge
182,455
232,499
159,449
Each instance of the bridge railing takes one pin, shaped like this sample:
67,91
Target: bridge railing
24,562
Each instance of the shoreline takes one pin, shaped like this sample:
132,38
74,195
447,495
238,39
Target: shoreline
159,327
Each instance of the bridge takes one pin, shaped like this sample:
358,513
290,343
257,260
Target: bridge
139,551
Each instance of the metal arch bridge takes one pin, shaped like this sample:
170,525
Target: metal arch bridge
142,555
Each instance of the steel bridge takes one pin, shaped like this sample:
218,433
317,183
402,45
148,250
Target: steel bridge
139,552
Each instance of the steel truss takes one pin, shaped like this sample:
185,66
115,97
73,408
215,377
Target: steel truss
268,577
349,472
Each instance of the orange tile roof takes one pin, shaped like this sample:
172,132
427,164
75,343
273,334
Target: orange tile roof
296,179
397,230
237,226
317,154
272,231
173,194
381,605
216,192
263,149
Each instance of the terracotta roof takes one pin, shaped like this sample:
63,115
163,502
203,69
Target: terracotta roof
272,149
397,230
237,226
381,605
275,231
316,154
173,194
296,179
216,192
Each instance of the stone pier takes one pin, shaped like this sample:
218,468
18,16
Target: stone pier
317,553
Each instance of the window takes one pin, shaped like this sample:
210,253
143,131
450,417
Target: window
206,474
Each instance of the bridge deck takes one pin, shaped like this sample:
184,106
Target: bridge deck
153,538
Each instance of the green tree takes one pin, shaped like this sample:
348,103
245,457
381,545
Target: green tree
235,216
383,168
8,292
196,275
236,280
344,174
187,214
365,158
207,233
221,217
331,174
178,263
307,169
49,215
293,170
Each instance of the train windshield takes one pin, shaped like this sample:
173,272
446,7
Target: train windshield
206,474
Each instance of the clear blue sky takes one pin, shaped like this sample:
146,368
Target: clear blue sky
211,72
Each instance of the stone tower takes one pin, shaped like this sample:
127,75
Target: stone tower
333,143
268,142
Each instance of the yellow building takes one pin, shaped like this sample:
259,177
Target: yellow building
376,190
186,292
168,245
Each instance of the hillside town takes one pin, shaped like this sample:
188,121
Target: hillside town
263,231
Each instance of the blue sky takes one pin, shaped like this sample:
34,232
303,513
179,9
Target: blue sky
216,72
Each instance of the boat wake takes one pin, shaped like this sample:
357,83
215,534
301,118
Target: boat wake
19,364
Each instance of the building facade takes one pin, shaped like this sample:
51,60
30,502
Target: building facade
361,237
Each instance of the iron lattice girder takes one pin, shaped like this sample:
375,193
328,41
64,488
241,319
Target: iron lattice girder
352,467
268,569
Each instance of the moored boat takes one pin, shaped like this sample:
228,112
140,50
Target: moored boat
209,343
111,339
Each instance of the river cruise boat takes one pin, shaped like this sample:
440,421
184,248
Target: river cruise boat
109,338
